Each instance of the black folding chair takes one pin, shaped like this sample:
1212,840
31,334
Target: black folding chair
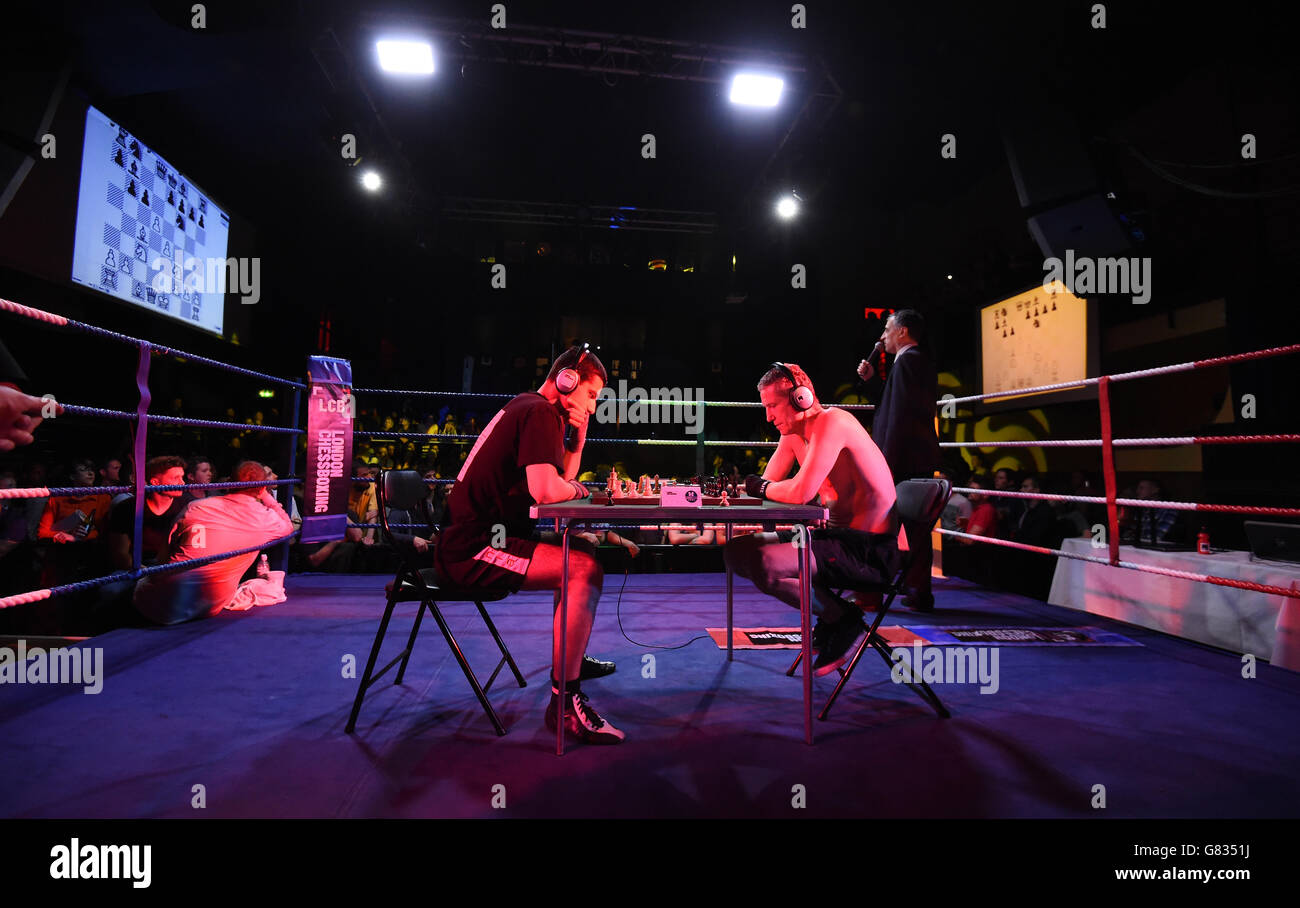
920,502
405,491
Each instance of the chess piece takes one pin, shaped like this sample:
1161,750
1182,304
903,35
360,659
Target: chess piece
1035,323
1053,305
1013,330
658,487
201,224
171,197
180,221
117,158
191,212
144,198
130,189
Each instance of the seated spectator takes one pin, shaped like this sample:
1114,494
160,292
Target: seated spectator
956,516
245,517
1036,525
294,514
198,469
1071,517
1153,526
984,516
72,518
110,472
161,511
1009,509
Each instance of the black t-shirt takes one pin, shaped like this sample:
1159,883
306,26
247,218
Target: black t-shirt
157,528
493,484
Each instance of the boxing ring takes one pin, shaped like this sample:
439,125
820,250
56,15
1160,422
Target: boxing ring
1288,618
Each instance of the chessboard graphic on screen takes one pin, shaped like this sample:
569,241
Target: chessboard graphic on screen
1039,337
136,216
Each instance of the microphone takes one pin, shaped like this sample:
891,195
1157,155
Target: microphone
866,369
571,438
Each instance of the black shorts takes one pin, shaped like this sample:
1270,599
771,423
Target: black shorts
852,559
497,569
501,568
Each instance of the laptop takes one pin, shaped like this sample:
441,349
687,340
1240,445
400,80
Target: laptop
1273,541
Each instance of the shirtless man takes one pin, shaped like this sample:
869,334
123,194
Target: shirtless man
837,460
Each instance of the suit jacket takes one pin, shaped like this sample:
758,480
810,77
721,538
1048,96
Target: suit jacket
904,424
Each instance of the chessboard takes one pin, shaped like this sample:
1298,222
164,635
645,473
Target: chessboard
144,232
652,501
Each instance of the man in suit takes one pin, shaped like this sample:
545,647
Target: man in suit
904,431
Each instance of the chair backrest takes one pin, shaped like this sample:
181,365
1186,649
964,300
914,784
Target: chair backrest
921,501
403,490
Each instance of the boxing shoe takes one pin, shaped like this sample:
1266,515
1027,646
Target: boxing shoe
595,668
838,640
581,719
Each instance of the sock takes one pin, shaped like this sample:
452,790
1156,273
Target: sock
571,687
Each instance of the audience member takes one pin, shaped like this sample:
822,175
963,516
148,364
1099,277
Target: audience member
161,511
245,517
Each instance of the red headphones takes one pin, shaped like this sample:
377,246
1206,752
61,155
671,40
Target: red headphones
568,379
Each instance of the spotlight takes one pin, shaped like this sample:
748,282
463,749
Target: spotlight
371,180
787,207
405,57
753,90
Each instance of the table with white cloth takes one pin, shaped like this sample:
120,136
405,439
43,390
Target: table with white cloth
1242,621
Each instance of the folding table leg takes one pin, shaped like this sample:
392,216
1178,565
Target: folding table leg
805,611
564,639
730,584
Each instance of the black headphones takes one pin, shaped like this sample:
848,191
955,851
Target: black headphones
568,379
801,396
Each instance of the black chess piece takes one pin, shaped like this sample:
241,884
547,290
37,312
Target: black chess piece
1053,305
135,148
144,198
131,188
1013,330
180,221
1026,314
171,197
191,212
1004,332
185,190
1035,323
203,205
117,158
180,206
200,220
1035,312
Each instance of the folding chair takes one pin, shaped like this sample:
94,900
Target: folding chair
920,502
405,491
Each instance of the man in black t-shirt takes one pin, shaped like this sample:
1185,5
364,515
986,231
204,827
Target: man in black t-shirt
161,511
520,459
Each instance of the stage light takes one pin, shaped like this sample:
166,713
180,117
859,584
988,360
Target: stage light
405,57
787,207
753,90
371,181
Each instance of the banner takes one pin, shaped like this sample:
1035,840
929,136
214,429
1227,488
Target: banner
331,412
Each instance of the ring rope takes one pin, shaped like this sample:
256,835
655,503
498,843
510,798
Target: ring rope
38,595
1133,566
51,318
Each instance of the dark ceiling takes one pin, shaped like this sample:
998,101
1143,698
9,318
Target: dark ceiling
253,107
